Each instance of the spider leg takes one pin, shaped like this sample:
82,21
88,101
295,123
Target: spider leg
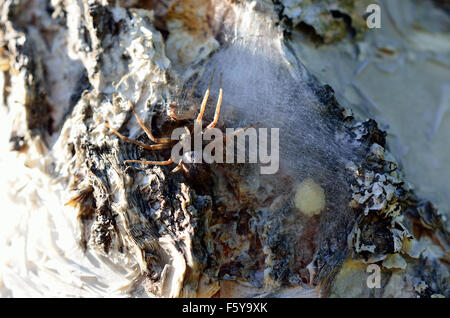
219,103
194,85
178,167
239,131
156,163
234,133
147,130
145,146
205,98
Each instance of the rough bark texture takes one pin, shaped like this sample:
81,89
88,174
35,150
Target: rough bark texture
91,225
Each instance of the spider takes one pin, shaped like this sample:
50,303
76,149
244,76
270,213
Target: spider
165,143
